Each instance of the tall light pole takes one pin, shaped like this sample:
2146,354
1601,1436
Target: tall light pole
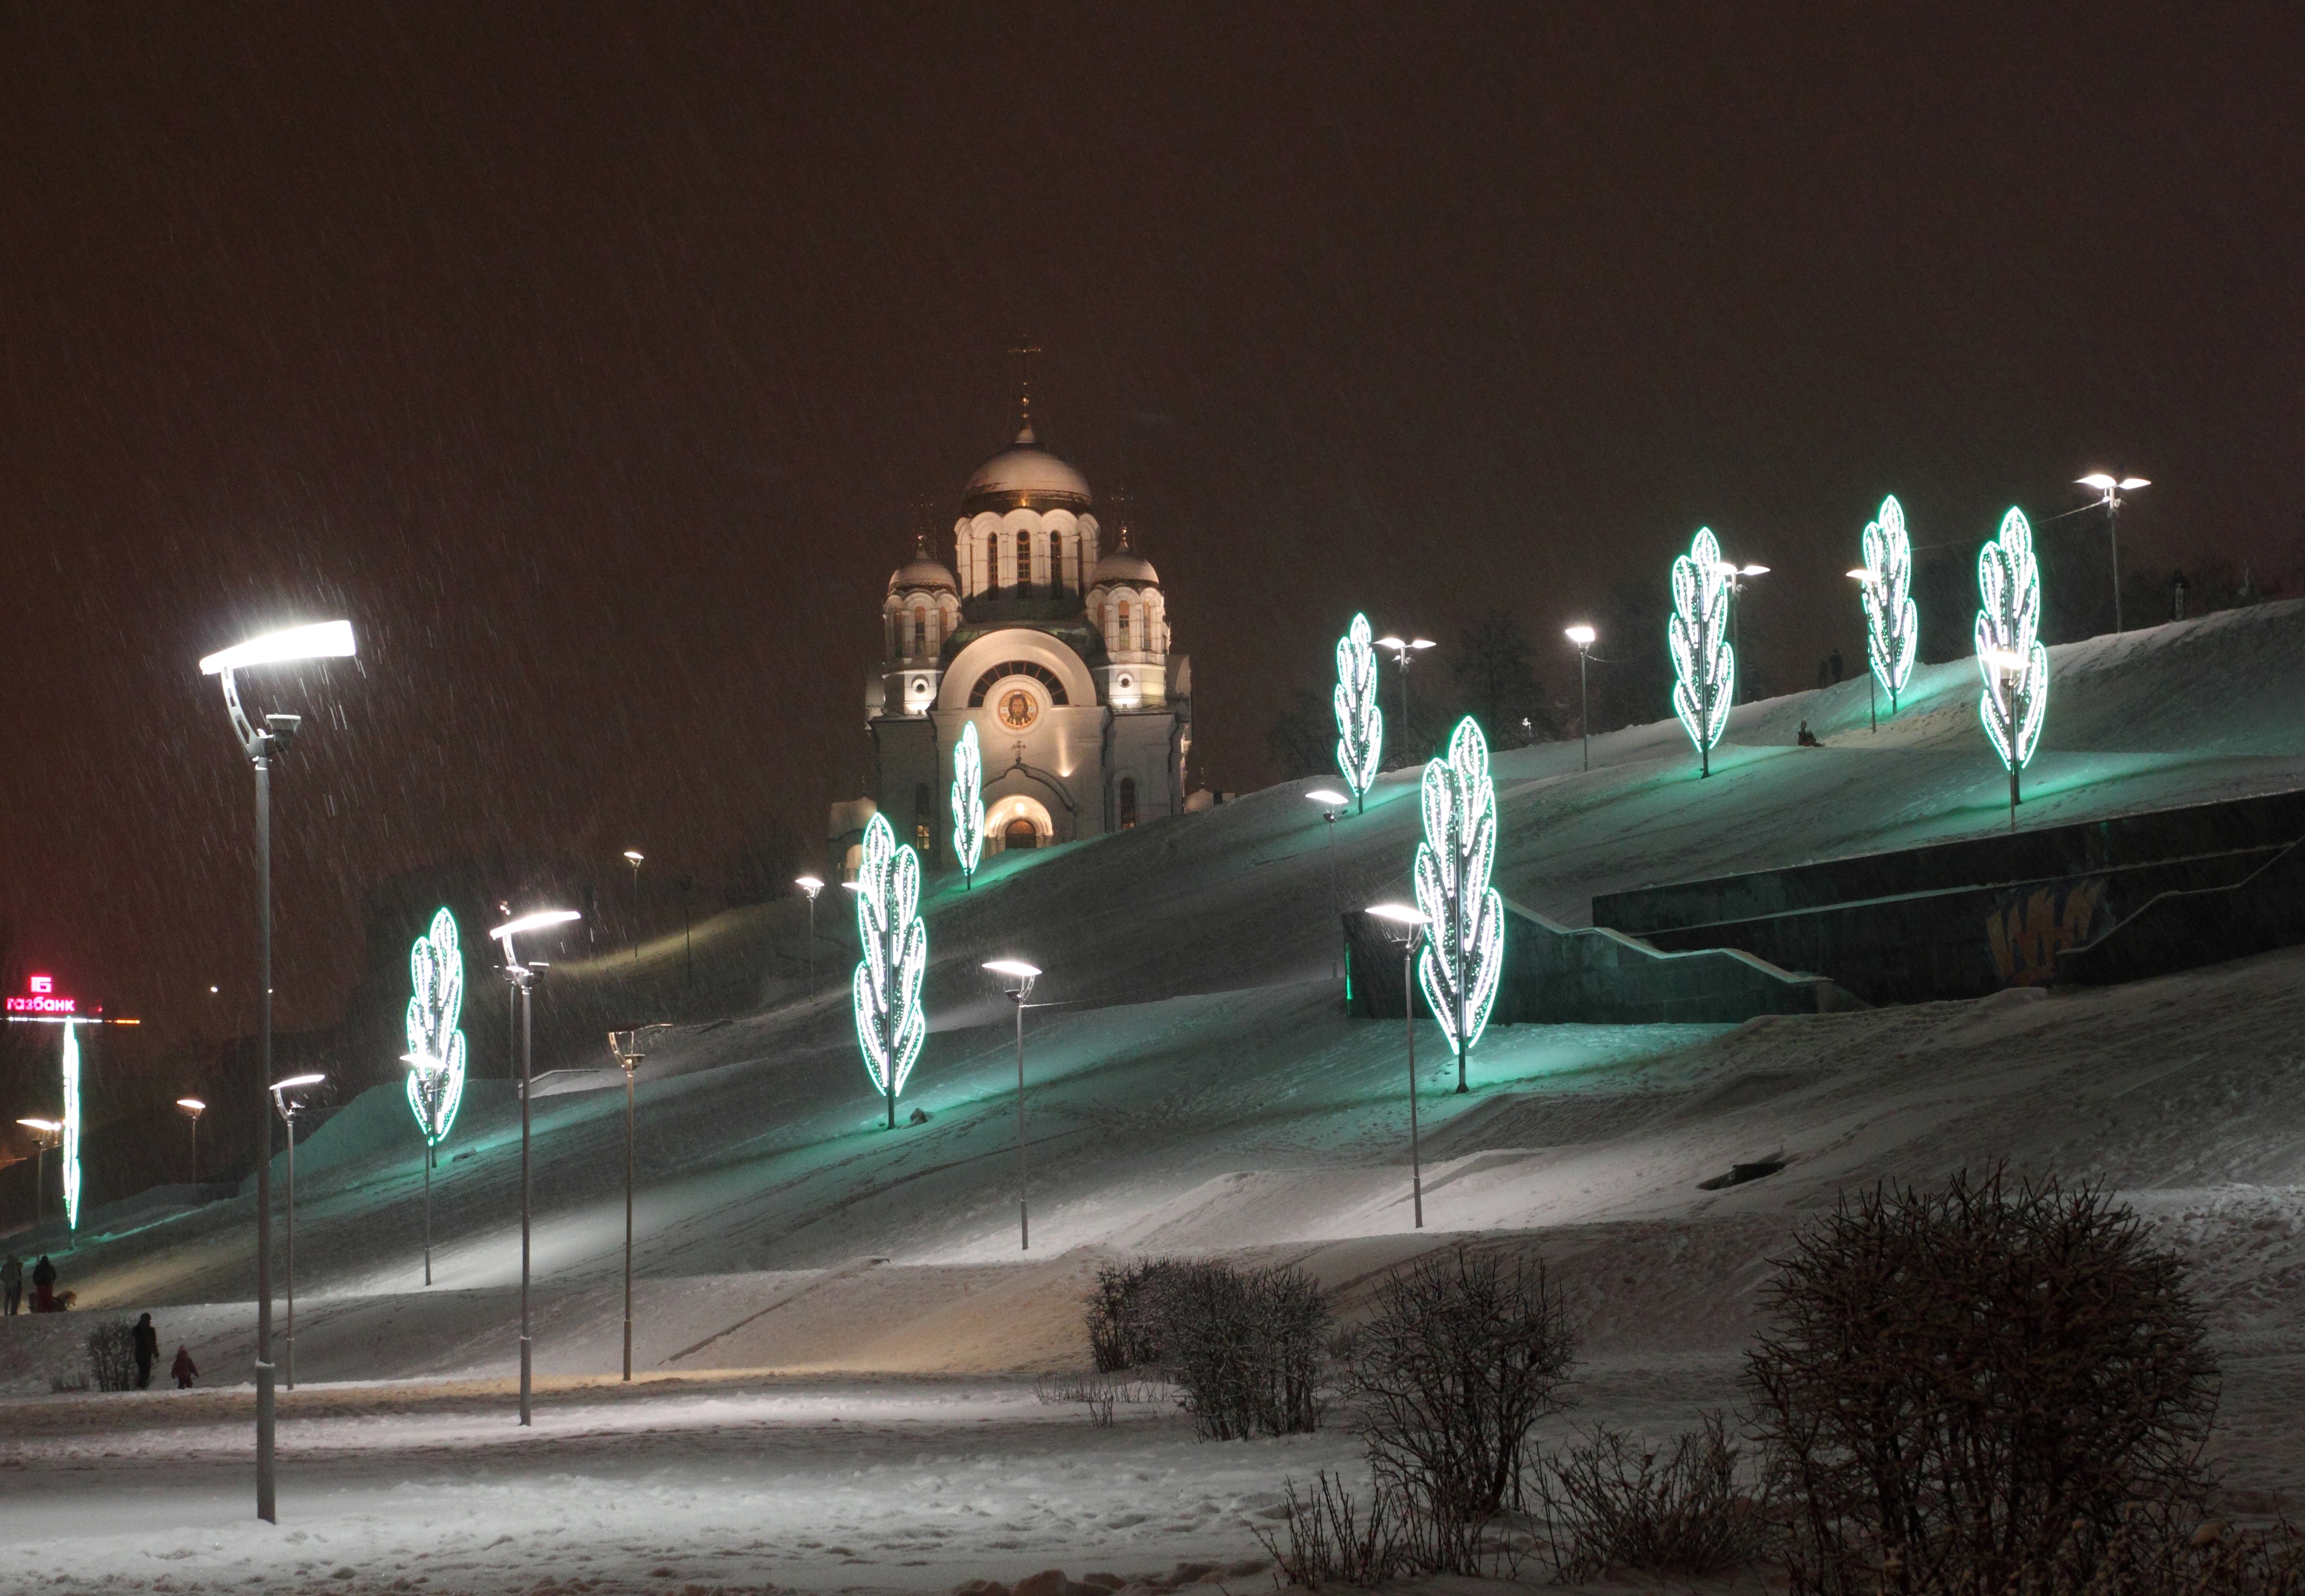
191,1109
1333,804
626,1044
522,977
812,885
1022,975
1583,636
46,1133
2109,490
2013,666
1736,575
1409,926
429,1071
1404,651
329,640
288,1106
633,856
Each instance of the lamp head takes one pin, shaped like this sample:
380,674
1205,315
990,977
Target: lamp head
193,1105
2126,483
1753,571
633,855
810,885
1863,573
1017,968
1327,796
529,922
329,640
1582,635
293,1082
46,1127
2098,480
1407,922
2007,659
1389,642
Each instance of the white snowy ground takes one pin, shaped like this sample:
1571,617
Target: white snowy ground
1196,1089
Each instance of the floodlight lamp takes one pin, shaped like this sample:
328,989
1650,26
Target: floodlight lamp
1017,968
1389,642
810,885
47,1127
851,887
529,922
2098,480
295,1081
2126,483
634,854
193,1105
1754,570
1582,636
1399,913
1863,573
1327,796
328,639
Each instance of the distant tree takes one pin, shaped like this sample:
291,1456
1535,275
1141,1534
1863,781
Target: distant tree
1302,737
1495,671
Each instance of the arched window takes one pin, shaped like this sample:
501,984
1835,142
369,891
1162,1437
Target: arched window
920,632
989,577
1023,560
1121,631
923,821
1128,804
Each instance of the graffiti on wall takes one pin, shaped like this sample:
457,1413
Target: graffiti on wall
2029,928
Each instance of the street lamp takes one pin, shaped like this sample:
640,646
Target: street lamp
1024,975
1866,577
632,857
1333,804
1735,575
1403,652
812,885
329,640
625,1045
427,1076
46,1133
2110,489
1409,928
1583,637
191,1109
288,1107
521,979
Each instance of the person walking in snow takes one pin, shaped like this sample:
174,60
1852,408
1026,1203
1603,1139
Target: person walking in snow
183,1368
12,1283
44,1285
148,1348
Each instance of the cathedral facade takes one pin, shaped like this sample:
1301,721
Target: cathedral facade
1055,648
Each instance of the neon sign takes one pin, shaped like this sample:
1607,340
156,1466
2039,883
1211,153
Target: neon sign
41,997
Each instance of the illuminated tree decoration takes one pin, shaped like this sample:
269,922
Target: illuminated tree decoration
967,802
1705,666
891,1025
1360,724
2015,700
70,1140
1893,624
436,1004
1464,950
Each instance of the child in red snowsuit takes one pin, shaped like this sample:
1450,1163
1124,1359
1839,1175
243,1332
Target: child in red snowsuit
183,1368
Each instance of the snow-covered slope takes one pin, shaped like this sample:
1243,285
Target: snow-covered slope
1195,1086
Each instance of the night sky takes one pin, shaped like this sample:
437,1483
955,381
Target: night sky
597,361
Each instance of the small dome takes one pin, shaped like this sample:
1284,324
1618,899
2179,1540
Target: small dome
1124,564
1024,474
924,572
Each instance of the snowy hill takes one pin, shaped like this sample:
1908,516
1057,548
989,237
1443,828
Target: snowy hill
1197,1086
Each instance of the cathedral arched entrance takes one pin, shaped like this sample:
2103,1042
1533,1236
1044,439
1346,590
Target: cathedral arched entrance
1019,821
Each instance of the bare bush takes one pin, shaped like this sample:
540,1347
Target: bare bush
112,1355
2152,1553
1962,1386
1244,1345
1612,1503
1124,1313
1326,1538
1464,1354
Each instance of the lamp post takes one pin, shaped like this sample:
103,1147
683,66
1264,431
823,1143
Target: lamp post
1409,926
1022,975
1736,576
1866,577
812,885
2109,490
428,1072
1404,651
1582,636
633,856
521,979
625,1046
288,1107
46,1133
2011,664
329,640
1333,804
191,1109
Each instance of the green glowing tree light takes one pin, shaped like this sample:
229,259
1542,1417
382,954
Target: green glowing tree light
2009,652
1360,724
1464,951
968,803
890,1023
435,1046
1703,663
1892,623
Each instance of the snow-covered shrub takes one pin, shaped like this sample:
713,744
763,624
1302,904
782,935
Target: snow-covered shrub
1465,1352
1244,1345
1614,1503
112,1355
1965,1388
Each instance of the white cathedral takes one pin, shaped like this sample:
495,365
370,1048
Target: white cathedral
1057,652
